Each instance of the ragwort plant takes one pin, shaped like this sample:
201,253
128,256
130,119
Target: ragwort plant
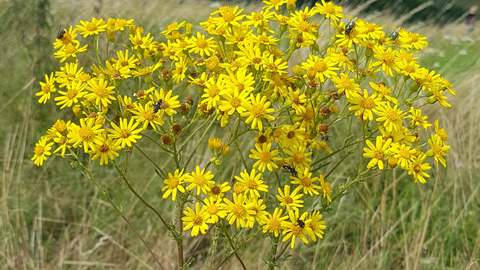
246,84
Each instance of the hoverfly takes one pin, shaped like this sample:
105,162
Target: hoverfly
157,106
60,34
290,170
350,26
394,34
301,223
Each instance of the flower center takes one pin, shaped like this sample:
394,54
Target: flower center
274,224
228,16
91,26
379,154
238,210
212,209
197,220
404,153
85,133
71,93
417,168
367,103
304,26
173,182
216,190
291,134
288,200
258,17
39,150
265,157
235,102
199,180
320,66
148,115
258,111
238,188
125,133
392,115
250,183
298,158
104,148
387,58
46,88
101,91
306,182
330,8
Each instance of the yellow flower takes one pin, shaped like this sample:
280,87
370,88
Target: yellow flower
200,180
87,133
126,133
258,109
330,11
91,28
41,150
393,117
195,220
276,4
105,150
173,184
305,182
316,225
215,210
258,208
404,156
169,102
418,169
322,68
146,115
201,45
273,223
364,106
265,157
100,92
69,51
252,183
298,226
326,189
47,87
217,192
213,87
239,211
66,38
299,156
178,74
439,149
347,85
387,59
417,119
289,200
74,92
377,153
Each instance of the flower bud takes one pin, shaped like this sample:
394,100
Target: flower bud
77,110
392,162
225,150
176,129
166,140
132,30
188,29
414,87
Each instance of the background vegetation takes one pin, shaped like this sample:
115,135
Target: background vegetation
52,218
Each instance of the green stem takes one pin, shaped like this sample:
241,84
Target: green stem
151,160
199,141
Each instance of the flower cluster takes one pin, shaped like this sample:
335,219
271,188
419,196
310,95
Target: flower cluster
247,78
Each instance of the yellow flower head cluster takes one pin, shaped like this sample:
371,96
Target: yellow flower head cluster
242,72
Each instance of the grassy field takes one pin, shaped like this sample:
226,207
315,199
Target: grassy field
53,218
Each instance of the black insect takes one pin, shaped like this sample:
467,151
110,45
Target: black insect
350,26
301,223
157,106
60,34
325,138
291,170
395,33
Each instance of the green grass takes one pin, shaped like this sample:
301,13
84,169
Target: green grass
53,218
